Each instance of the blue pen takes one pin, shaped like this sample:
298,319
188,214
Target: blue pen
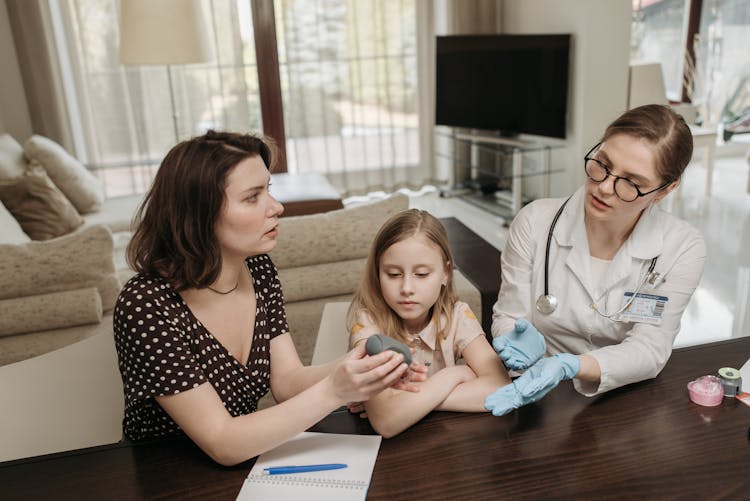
280,470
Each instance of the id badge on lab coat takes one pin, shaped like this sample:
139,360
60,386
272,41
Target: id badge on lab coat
645,308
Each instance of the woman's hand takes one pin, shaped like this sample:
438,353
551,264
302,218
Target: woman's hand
359,377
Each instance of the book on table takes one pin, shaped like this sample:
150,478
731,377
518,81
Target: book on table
358,452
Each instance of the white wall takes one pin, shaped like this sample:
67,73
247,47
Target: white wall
14,112
600,57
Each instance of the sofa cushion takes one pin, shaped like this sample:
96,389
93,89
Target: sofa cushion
50,311
10,231
81,187
320,280
11,158
39,207
81,259
335,236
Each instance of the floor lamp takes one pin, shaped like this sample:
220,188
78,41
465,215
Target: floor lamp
163,32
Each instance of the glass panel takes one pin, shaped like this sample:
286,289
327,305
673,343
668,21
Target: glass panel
349,82
658,36
723,71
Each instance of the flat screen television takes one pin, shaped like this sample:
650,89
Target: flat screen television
511,84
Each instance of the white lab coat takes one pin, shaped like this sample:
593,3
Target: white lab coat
626,352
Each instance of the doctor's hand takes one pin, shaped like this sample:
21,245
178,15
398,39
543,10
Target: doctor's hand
520,347
533,384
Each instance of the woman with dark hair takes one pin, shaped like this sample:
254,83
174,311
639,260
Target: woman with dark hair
201,331
600,280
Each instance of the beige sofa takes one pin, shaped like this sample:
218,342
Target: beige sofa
319,257
62,252
61,249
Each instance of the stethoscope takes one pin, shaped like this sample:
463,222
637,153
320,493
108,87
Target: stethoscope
547,303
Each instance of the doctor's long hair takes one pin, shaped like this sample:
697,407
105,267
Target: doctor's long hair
369,296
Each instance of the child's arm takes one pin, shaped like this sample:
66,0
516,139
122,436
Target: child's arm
491,375
392,411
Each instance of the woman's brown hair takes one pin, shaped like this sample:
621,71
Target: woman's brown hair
174,234
369,296
665,130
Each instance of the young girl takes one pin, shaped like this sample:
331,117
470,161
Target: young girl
407,293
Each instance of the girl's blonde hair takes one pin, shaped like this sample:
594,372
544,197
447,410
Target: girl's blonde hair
369,296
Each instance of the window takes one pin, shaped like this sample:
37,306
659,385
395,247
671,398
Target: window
349,84
658,35
723,70
348,87
126,111
716,76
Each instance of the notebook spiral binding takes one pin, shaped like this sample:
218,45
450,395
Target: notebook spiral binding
306,481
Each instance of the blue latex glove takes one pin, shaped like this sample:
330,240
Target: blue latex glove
533,384
520,347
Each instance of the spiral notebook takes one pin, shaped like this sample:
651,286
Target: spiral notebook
358,452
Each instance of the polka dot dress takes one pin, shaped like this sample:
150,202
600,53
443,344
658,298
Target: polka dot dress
163,350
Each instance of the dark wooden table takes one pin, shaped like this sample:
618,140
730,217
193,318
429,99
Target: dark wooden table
643,441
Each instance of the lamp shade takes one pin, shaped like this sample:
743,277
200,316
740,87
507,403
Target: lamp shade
163,32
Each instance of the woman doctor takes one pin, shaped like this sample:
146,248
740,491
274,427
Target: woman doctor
600,280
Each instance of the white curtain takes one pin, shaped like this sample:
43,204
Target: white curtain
125,113
350,81
352,90
357,82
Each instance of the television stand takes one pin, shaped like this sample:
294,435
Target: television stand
480,138
507,203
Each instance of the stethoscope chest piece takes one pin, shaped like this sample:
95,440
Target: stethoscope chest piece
546,304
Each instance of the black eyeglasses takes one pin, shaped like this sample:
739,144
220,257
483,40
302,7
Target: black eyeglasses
627,190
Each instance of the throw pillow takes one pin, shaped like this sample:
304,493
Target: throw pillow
81,259
11,158
10,230
55,310
81,187
39,207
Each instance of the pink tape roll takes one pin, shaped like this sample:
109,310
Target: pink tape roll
706,391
